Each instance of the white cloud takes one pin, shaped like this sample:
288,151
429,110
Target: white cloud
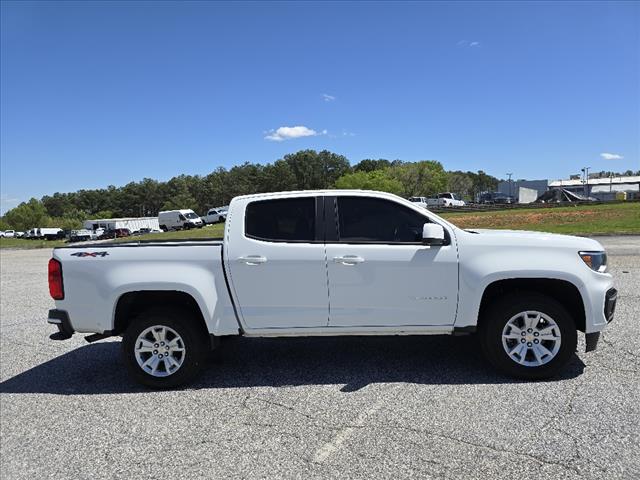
328,98
611,156
287,133
466,43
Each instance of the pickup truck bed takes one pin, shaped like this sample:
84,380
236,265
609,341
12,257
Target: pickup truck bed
189,266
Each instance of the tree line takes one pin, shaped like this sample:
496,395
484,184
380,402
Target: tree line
303,170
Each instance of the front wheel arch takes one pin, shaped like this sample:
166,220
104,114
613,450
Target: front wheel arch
562,291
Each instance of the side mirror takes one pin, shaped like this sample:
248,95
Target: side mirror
432,234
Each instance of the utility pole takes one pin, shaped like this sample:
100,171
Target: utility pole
510,194
586,178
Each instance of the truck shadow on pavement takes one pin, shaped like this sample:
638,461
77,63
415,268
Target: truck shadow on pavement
353,362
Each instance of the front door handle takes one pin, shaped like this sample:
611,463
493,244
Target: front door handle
348,260
253,259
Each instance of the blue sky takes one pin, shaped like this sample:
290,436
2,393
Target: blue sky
95,93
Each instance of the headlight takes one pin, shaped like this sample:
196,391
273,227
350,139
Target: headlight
596,261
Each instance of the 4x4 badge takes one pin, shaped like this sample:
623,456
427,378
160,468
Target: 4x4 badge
89,254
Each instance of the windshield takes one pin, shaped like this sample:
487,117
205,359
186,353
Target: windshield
191,215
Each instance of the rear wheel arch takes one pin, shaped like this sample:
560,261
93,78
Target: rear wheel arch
562,291
132,304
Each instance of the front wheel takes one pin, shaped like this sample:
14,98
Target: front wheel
164,348
529,336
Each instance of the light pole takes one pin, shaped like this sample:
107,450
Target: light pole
509,174
586,178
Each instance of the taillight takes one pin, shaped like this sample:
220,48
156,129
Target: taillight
56,288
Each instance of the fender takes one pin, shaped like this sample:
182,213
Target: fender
482,264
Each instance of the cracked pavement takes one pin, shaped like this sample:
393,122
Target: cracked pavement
426,407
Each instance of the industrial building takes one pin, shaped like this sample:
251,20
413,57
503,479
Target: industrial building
524,191
604,189
132,224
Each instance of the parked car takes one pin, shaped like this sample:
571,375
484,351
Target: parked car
9,233
84,235
146,231
383,264
80,235
496,198
419,201
215,215
179,219
503,199
446,199
19,234
52,233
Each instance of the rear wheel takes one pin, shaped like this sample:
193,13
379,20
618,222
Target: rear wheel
164,348
528,335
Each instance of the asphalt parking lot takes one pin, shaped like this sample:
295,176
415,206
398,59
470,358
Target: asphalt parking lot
327,407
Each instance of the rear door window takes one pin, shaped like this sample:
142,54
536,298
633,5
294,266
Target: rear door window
281,220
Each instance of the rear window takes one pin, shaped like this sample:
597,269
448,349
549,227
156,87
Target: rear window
281,220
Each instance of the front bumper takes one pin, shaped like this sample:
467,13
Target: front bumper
60,318
610,299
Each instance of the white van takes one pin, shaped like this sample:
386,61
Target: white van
177,219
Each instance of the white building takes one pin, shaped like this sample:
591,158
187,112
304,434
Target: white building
602,188
132,224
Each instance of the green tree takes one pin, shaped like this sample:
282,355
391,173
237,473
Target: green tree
277,177
374,180
460,183
27,215
423,178
71,220
368,165
57,204
4,225
180,202
316,170
482,182
102,214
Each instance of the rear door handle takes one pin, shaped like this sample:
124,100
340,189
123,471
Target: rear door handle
253,259
348,260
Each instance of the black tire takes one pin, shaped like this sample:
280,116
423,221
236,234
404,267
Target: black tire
501,311
164,228
195,341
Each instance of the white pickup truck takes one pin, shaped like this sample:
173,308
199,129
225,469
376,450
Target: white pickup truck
446,199
335,263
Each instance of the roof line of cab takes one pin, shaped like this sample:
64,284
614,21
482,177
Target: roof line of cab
318,192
